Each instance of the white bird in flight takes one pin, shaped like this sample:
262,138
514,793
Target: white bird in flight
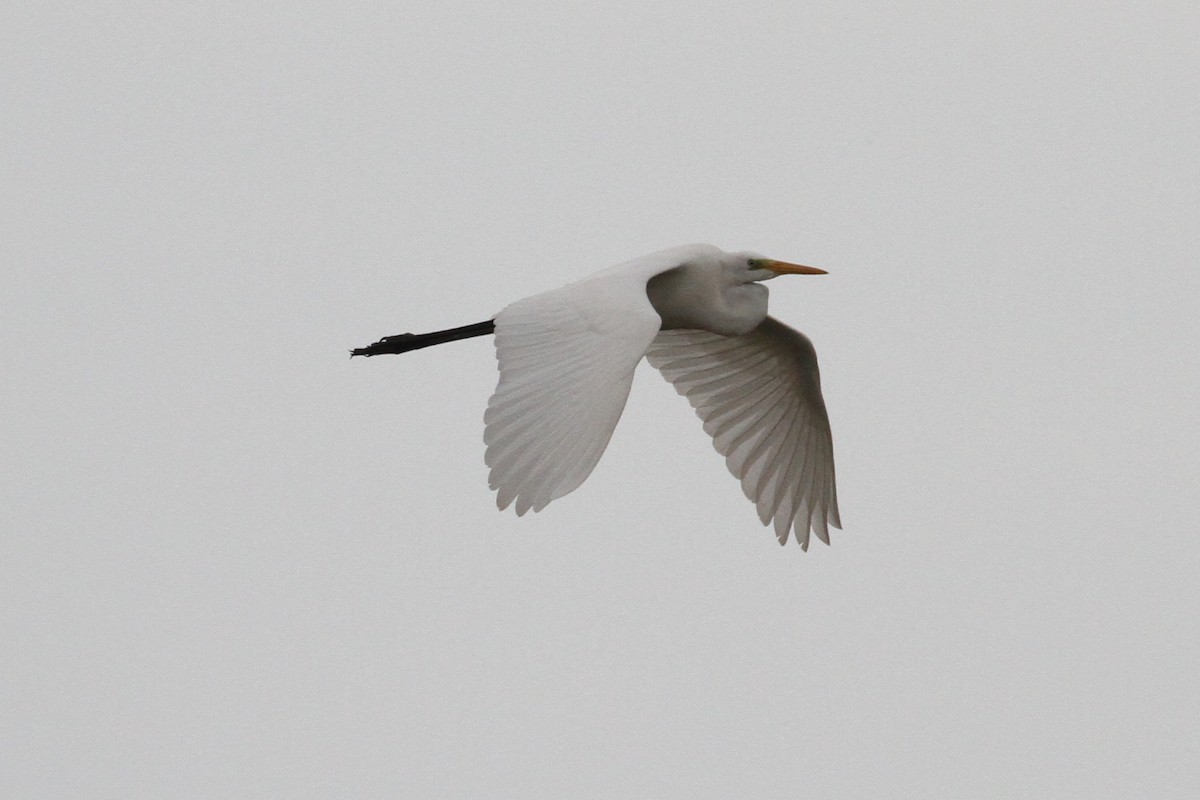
699,315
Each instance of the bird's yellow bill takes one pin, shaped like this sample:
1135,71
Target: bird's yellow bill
784,268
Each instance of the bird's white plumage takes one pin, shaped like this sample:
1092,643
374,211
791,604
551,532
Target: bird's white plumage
759,396
566,359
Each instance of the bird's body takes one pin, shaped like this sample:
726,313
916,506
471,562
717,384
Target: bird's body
699,315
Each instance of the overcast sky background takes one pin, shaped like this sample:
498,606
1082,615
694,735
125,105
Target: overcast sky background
235,563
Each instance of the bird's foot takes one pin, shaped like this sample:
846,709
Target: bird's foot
400,343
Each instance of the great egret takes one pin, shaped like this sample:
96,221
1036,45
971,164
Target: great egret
699,315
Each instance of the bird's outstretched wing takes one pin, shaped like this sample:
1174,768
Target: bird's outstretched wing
759,396
566,361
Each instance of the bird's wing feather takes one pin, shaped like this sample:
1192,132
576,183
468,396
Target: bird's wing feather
566,359
759,396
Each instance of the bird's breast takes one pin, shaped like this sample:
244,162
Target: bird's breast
686,300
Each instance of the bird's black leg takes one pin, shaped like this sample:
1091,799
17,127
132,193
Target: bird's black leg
403,342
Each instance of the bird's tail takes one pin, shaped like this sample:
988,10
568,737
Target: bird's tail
403,342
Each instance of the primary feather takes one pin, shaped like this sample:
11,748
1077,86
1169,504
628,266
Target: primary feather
566,364
759,396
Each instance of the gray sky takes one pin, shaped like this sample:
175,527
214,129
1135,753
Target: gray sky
235,563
